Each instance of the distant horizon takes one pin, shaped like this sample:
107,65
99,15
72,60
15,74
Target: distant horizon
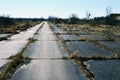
6,15
57,8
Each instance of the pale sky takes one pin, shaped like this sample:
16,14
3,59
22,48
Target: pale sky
58,8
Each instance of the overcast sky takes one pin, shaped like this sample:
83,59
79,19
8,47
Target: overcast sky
58,8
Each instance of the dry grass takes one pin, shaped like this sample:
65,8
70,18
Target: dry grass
73,55
3,38
16,61
80,59
101,46
62,42
38,29
85,70
20,26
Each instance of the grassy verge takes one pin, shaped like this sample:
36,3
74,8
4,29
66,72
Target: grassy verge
16,29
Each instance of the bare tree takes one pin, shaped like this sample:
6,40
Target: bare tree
88,15
108,10
73,19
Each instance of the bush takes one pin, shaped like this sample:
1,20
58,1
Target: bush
5,21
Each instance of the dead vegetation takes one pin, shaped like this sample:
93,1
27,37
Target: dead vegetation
84,69
16,28
97,43
3,38
16,61
109,32
89,29
38,29
79,60
74,56
19,26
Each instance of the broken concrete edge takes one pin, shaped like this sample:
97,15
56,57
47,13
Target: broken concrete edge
104,47
110,38
80,60
39,28
16,62
84,69
12,66
73,56
96,42
6,38
61,41
3,38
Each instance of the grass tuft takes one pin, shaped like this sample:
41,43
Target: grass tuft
16,61
73,55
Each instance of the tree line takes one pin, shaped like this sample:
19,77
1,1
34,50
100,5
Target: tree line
74,19
6,21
